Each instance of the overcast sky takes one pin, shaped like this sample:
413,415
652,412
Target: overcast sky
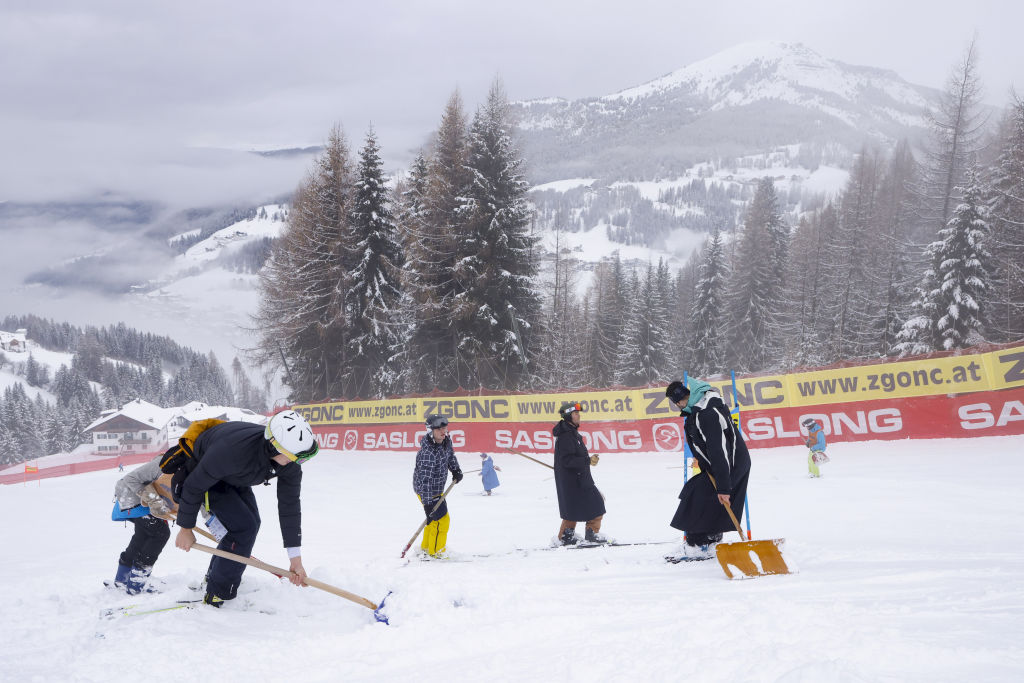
105,96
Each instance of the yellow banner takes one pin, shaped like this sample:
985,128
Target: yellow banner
902,379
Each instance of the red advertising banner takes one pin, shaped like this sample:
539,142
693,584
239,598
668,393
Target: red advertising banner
988,413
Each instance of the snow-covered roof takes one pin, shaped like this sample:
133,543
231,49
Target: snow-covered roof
143,412
177,418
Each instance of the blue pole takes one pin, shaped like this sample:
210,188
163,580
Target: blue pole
736,411
686,449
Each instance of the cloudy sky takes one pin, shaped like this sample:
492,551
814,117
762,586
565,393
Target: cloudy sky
153,99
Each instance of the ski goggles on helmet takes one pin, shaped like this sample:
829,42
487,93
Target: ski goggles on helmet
437,421
295,457
568,409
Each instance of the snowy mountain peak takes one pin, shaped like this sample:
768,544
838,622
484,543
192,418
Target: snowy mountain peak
789,72
748,99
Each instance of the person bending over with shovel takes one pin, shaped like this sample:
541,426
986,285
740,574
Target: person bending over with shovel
725,468
232,457
434,460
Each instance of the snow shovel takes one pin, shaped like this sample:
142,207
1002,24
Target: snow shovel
259,564
424,522
749,558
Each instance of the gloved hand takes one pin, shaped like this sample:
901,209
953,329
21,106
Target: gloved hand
593,460
441,511
457,476
158,507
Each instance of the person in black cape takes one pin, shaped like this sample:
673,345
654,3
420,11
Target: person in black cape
724,462
578,497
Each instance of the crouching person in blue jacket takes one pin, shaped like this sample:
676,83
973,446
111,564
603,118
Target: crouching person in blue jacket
232,458
151,533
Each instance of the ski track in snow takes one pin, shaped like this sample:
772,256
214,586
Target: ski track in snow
909,554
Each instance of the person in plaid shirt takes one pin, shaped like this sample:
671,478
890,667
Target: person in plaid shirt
434,460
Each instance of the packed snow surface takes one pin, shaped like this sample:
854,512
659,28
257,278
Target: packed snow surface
910,558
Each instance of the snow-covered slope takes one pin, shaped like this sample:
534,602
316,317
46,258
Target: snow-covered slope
908,571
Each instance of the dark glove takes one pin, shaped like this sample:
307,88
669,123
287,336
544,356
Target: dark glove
441,511
457,476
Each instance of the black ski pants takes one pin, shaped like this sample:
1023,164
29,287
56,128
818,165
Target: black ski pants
236,509
151,534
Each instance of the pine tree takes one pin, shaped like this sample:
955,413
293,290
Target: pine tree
609,303
628,357
709,344
375,281
565,364
433,359
949,310
855,301
402,373
756,285
496,308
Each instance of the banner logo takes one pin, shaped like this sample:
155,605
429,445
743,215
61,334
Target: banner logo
667,437
351,440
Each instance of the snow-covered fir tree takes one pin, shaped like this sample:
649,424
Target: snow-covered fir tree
853,305
949,311
754,302
374,290
608,296
709,343
433,359
643,354
496,308
565,364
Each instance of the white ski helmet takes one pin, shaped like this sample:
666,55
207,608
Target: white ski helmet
292,436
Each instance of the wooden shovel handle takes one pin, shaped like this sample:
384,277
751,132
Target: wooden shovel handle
260,564
424,522
728,509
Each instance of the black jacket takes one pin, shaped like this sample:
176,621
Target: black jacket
721,452
237,454
578,497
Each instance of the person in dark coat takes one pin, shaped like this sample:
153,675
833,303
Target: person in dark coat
724,462
435,459
578,497
232,458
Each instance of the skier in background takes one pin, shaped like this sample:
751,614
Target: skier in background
718,446
579,500
816,442
151,532
434,460
487,476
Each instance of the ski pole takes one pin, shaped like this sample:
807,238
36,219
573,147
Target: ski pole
736,402
253,562
424,522
539,462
